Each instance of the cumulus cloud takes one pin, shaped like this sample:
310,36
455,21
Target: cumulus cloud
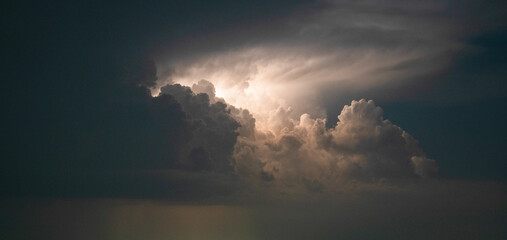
294,155
206,87
361,147
213,129
187,136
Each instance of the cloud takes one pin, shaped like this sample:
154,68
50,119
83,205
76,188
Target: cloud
206,87
213,129
139,143
297,154
260,115
77,121
362,147
125,143
328,54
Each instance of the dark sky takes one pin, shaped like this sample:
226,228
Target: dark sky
79,121
461,118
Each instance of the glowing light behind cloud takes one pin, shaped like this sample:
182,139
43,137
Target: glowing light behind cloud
343,48
264,79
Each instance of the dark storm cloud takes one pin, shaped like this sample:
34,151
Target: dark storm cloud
128,144
76,118
212,127
57,151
